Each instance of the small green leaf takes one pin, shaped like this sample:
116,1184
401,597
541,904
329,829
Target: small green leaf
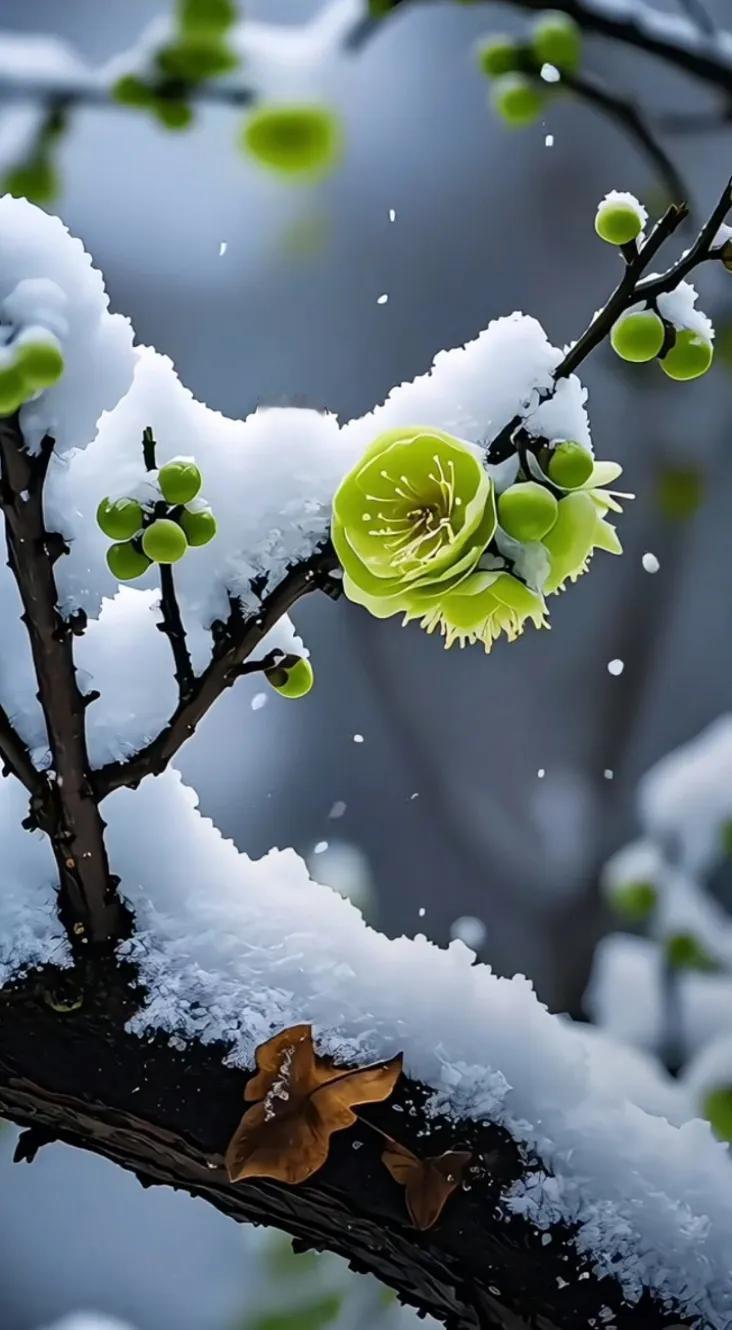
717,1108
680,492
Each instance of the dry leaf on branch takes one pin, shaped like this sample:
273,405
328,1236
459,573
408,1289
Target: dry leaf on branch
298,1100
429,1183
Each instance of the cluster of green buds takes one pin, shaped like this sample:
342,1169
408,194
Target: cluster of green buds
36,177
160,529
420,531
646,332
198,51
517,68
292,676
29,363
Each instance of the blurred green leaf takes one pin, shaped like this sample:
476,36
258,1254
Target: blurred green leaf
717,1108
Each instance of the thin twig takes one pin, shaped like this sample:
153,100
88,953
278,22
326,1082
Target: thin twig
171,619
233,647
631,118
638,25
14,753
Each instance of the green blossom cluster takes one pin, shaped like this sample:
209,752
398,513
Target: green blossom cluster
199,50
159,529
420,531
519,92
28,364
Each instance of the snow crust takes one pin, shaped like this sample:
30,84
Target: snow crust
262,947
89,1321
30,933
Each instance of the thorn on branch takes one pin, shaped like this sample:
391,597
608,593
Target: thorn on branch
30,1142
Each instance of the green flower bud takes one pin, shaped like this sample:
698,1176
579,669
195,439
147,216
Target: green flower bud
172,112
685,952
294,140
498,55
717,1109
180,480
200,527
690,356
635,901
164,541
293,682
518,100
13,390
527,511
570,465
196,58
126,561
638,337
478,609
40,364
129,90
415,513
120,519
618,221
557,40
206,16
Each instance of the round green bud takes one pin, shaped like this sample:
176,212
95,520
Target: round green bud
635,901
212,16
120,519
557,40
690,356
179,480
618,223
196,58
172,112
129,90
126,561
497,56
638,337
13,391
293,140
41,364
164,541
570,465
200,528
38,182
685,952
717,1109
527,511
293,682
518,100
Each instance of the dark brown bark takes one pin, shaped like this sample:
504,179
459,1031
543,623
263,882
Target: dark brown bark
66,809
167,1116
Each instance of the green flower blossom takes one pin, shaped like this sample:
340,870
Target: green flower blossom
480,608
414,515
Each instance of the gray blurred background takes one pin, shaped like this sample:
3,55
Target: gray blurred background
443,797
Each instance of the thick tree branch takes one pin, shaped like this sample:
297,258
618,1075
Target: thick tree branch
168,1116
68,811
233,646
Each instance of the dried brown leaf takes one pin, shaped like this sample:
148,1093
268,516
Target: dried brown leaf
428,1183
298,1100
